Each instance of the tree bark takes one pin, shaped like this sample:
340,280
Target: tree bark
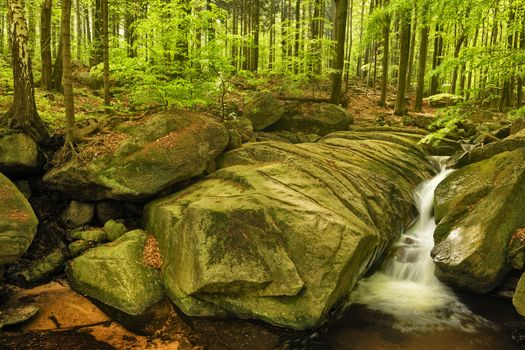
79,30
23,113
404,24
105,45
340,28
67,74
384,62
45,43
423,47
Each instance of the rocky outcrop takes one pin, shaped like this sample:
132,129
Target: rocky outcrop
141,157
478,208
117,274
18,154
314,118
263,110
282,232
18,222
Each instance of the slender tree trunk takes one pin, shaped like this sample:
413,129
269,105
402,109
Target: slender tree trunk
255,51
297,35
105,52
45,43
401,108
360,57
519,88
67,73
384,63
422,65
340,25
437,58
96,52
349,42
23,113
79,30
457,49
413,29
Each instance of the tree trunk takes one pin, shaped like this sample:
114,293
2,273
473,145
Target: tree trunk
23,113
105,45
45,43
340,29
96,52
67,74
404,24
437,58
56,80
423,47
79,30
384,62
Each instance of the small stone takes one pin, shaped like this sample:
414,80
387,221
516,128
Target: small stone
41,270
519,296
114,229
16,315
109,210
78,247
78,214
93,235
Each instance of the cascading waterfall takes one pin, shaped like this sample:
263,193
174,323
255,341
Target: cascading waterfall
406,286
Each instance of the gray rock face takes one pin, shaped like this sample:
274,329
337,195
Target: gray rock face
282,232
142,158
478,208
314,118
117,275
18,154
18,222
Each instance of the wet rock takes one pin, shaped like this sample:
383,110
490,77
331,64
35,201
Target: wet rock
109,210
142,157
114,229
282,232
478,208
92,235
19,154
78,214
16,315
519,296
40,270
314,118
263,110
287,136
78,247
116,275
18,223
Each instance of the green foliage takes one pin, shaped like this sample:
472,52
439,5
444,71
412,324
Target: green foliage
446,123
516,113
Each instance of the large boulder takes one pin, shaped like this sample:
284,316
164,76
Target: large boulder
314,118
263,109
518,300
282,232
117,274
18,222
18,154
478,208
142,157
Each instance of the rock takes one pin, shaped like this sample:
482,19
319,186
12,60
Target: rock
517,249
443,100
480,153
234,140
16,315
78,247
114,229
92,80
78,214
242,125
282,232
477,209
92,235
420,120
116,275
19,154
518,300
263,110
314,118
40,270
24,187
18,223
517,125
142,157
109,210
286,136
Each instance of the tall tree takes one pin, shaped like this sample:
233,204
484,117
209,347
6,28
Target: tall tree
105,45
340,32
385,58
67,73
45,43
404,48
422,64
23,113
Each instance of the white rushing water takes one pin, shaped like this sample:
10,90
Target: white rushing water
406,287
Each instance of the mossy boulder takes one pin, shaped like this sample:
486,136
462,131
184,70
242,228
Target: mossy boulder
519,296
282,232
19,154
18,222
478,208
116,274
314,118
142,157
263,110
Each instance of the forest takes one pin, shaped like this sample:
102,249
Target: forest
262,174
